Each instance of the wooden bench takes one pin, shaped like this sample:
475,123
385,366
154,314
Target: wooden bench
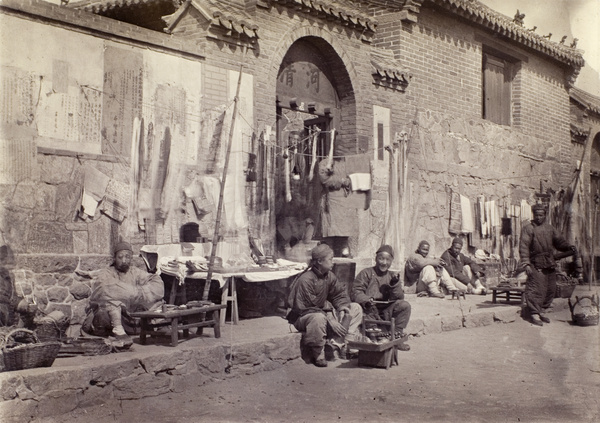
180,319
508,293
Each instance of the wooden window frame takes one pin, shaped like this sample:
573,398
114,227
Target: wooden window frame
498,74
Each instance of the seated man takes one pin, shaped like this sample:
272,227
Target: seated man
428,273
377,283
311,298
464,270
118,290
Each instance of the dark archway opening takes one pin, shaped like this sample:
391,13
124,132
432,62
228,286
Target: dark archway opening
315,120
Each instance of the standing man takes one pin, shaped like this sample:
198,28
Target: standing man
536,249
464,270
319,303
379,291
119,290
427,273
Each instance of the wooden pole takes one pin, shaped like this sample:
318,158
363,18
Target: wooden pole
215,240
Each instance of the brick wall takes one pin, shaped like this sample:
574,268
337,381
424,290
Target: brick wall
450,148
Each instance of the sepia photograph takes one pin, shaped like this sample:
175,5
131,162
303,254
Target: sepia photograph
299,211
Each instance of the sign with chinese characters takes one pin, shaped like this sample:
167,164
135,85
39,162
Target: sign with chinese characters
304,86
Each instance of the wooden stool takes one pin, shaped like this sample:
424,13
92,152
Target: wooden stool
506,292
458,294
382,355
180,319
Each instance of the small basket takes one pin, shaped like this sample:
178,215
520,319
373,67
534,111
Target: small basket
585,315
565,286
21,349
52,326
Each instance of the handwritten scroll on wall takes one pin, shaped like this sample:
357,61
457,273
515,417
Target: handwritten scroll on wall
122,100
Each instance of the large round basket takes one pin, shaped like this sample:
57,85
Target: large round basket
586,319
21,349
585,311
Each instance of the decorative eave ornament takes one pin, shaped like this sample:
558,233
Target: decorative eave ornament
579,135
387,72
231,25
331,10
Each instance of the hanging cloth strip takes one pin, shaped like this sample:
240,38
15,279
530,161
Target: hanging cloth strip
314,134
286,175
454,225
467,222
330,155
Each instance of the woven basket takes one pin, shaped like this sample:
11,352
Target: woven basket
21,349
52,327
565,285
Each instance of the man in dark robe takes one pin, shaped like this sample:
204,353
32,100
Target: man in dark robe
536,249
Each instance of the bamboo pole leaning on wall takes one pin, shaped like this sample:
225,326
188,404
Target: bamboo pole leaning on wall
215,240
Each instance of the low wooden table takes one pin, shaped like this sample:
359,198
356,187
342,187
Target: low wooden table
506,292
180,319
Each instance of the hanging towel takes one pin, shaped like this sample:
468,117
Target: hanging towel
467,222
359,171
494,215
525,211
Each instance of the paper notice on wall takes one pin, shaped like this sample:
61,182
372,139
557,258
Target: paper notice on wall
19,95
116,200
122,101
17,160
88,204
95,183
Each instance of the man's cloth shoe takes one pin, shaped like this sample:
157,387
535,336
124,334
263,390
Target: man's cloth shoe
544,319
329,352
320,362
437,295
536,320
403,347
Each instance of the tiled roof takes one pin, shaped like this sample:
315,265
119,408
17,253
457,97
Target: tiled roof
501,24
589,101
232,19
387,71
103,6
338,10
386,66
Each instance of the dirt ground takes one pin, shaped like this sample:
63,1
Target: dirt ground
512,372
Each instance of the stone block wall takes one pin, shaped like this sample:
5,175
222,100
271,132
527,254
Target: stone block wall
450,146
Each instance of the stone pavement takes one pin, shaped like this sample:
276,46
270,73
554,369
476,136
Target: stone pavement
254,345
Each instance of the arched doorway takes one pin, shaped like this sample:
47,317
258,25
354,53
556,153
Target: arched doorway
315,120
595,205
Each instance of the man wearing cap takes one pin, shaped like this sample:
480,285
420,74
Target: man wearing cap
427,273
319,302
464,270
379,291
118,290
536,249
